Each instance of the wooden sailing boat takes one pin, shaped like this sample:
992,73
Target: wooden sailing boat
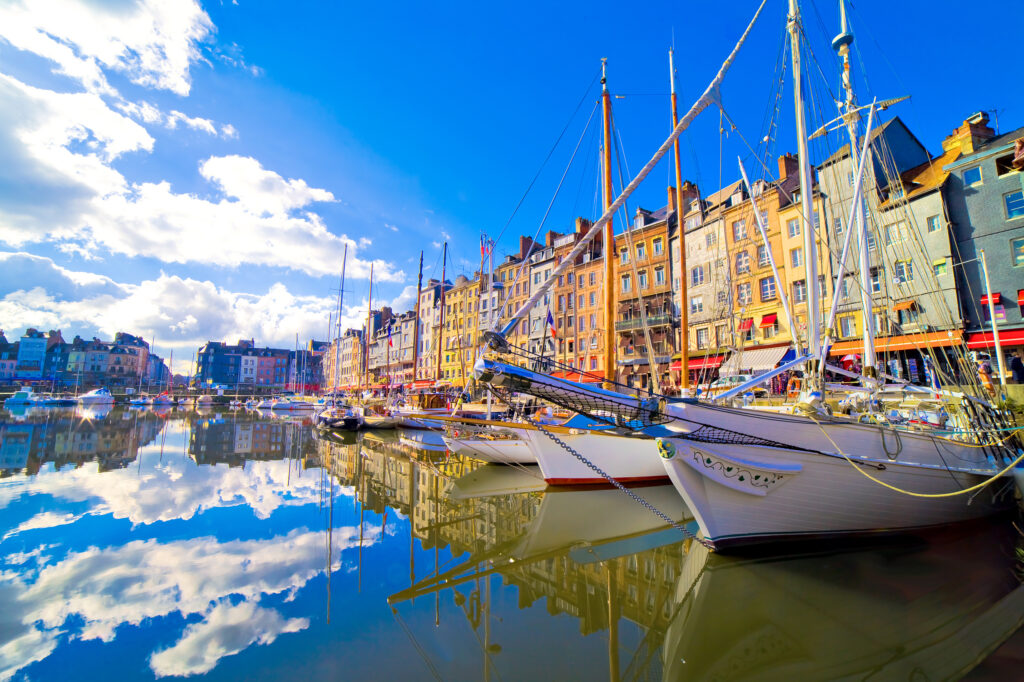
751,476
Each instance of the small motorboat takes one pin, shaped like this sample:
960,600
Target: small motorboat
97,396
339,418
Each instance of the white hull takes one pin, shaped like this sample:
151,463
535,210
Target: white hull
743,494
623,458
505,451
292,406
95,398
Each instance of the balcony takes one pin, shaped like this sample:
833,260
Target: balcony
637,322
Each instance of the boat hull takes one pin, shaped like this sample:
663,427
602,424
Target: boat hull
748,495
626,459
505,451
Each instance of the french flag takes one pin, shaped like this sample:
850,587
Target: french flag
551,325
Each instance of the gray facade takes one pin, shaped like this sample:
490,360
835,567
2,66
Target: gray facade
986,210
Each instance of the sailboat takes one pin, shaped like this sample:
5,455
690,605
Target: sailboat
752,476
338,415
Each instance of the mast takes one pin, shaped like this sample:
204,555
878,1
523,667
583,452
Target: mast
995,327
440,324
851,116
806,195
684,307
609,232
337,336
366,336
416,329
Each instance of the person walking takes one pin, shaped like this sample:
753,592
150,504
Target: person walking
1017,367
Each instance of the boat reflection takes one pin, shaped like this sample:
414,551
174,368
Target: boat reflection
930,606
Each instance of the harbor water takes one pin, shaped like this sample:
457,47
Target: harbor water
143,544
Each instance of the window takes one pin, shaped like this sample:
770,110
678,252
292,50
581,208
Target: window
822,292
703,337
722,334
593,320
623,256
800,291
560,280
739,230
568,324
796,257
881,323
762,256
571,278
933,223
593,278
845,289
1004,165
561,303
742,262
1014,202
642,278
641,251
847,326
1017,252
817,220
625,284
793,227
696,304
771,331
743,295
876,281
569,302
972,176
723,297
871,241
593,299
659,277
767,288
696,275
940,267
657,246
850,179
903,271
837,221
580,301
711,238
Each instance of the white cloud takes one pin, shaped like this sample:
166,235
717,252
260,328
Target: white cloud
259,190
226,630
152,42
393,228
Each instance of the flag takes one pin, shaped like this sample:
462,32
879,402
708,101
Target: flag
551,325
389,336
483,247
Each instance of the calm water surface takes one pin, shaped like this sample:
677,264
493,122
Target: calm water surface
142,544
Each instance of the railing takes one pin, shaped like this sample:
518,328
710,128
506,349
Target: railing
637,322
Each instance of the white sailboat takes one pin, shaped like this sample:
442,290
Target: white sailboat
97,396
753,476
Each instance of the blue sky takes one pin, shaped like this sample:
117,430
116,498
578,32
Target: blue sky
193,171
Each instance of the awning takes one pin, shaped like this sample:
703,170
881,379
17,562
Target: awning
1007,337
904,305
996,298
1020,296
891,344
768,320
753,360
746,324
702,362
423,383
580,376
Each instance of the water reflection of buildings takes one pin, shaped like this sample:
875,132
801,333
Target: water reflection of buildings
538,542
63,437
234,438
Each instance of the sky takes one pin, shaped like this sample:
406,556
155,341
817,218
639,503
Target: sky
195,171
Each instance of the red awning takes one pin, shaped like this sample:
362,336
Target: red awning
746,324
579,376
423,383
703,362
996,298
892,344
1007,337
768,320
1020,296
904,305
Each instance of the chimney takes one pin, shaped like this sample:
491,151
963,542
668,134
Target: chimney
671,206
787,166
524,246
550,237
970,134
689,193
582,225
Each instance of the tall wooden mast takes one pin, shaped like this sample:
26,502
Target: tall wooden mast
416,329
684,310
366,336
609,232
440,324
